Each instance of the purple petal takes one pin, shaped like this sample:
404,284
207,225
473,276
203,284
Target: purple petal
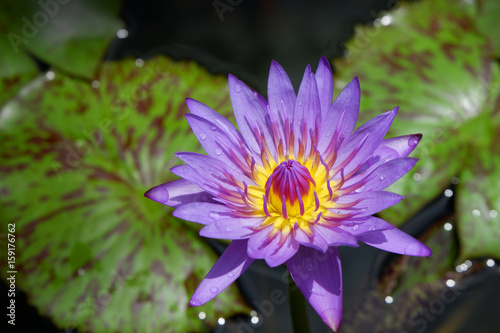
231,228
203,111
365,225
324,80
402,145
280,93
369,202
250,115
279,254
201,212
316,241
307,108
178,192
216,141
390,149
213,169
319,277
346,104
385,174
258,243
372,132
233,262
260,246
335,236
397,241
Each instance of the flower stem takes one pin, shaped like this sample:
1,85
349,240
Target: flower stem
298,308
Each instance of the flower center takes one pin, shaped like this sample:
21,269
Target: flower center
290,189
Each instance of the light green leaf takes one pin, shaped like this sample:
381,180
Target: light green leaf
428,58
70,35
75,160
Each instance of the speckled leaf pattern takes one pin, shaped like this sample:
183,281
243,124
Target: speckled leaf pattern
41,28
76,159
429,58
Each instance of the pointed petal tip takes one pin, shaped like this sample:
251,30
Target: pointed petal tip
418,249
195,302
355,79
158,194
333,319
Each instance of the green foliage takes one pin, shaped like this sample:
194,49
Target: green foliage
69,35
75,161
430,59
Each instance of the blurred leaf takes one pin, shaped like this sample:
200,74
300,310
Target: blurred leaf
16,69
479,209
428,58
489,24
75,162
69,35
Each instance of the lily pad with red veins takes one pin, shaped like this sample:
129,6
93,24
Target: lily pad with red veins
75,160
430,59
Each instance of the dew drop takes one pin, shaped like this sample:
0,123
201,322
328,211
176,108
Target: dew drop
328,133
372,228
218,152
230,275
213,128
214,216
195,302
214,290
356,227
203,136
412,142
237,88
299,103
382,177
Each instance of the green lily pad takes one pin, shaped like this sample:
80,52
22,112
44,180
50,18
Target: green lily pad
429,58
16,69
69,35
75,161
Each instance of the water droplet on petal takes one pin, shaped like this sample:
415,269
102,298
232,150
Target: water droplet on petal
413,249
299,103
214,216
213,128
218,152
382,177
328,133
195,302
371,228
237,88
203,136
230,275
356,227
214,290
413,142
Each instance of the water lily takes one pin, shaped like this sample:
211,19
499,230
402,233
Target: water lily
294,183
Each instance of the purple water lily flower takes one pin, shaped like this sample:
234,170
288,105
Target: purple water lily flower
294,183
